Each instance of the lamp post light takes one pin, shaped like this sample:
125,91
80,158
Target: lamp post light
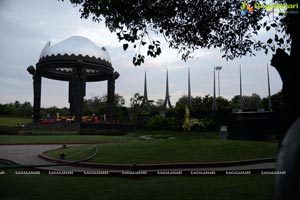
218,68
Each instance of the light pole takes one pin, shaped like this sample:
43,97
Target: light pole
214,105
241,93
269,90
218,68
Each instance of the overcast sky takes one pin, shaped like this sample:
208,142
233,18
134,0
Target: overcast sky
27,25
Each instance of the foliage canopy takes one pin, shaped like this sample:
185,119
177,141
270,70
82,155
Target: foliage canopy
187,25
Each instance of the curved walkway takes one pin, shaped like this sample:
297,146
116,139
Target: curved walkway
29,155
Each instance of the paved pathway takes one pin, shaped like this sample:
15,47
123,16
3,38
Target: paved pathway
28,155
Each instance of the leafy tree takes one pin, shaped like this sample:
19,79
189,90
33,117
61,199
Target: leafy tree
16,109
252,102
277,102
190,25
122,114
25,109
185,25
17,104
202,104
53,110
135,103
136,100
98,105
157,122
235,102
207,102
7,110
223,103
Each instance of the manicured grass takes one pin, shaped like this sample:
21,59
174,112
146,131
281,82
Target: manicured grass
10,139
50,136
10,121
179,134
49,187
173,151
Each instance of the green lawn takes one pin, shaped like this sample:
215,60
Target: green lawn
180,134
46,136
49,187
9,139
10,121
188,147
173,151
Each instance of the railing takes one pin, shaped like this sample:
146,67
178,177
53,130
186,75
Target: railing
287,185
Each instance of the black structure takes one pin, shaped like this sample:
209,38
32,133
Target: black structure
167,101
145,102
189,97
263,125
76,60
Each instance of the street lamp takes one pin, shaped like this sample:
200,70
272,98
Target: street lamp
218,68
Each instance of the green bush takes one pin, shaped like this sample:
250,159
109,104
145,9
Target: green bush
208,124
171,123
157,122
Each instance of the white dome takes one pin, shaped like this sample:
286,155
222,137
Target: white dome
76,45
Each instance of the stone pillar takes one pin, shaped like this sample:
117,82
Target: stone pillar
37,86
110,98
111,95
78,92
71,98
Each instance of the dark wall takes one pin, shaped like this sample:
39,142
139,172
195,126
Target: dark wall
255,125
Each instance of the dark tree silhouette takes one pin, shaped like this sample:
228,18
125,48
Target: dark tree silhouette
191,24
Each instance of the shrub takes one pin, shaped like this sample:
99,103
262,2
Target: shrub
157,122
208,124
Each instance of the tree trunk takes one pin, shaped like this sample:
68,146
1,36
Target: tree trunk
288,67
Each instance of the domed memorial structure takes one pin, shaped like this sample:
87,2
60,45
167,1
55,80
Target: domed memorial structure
76,60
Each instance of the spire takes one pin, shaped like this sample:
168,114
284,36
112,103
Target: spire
269,90
145,99
145,88
167,98
241,94
189,98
